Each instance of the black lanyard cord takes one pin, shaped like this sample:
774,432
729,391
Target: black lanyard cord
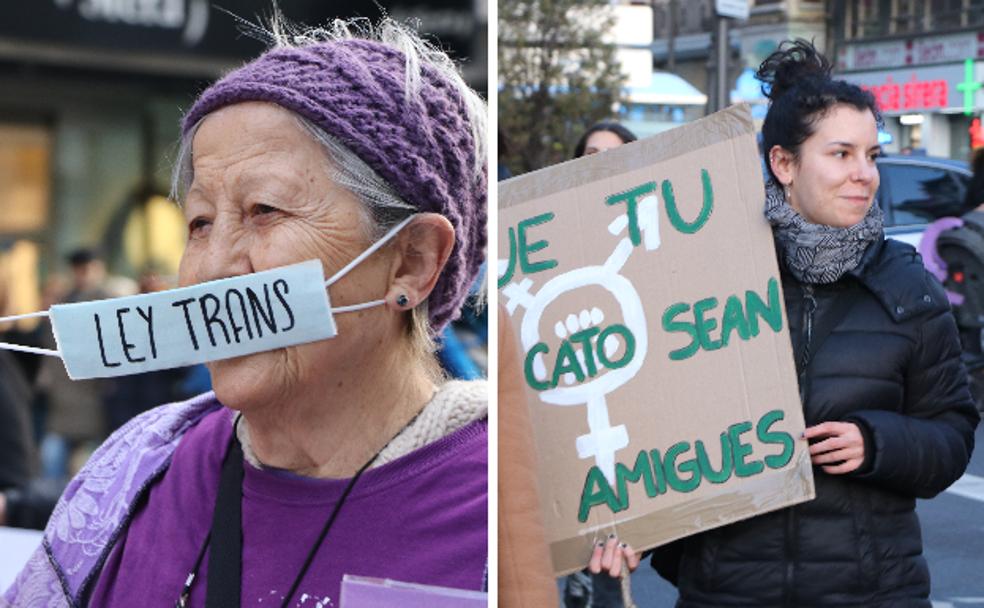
225,561
190,580
324,530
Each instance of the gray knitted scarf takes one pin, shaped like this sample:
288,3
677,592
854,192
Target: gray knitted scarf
815,253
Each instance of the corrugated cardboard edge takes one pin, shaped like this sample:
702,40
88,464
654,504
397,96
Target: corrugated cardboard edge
721,126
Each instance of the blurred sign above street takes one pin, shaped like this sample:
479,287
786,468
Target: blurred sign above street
918,51
633,26
196,37
934,88
736,9
637,65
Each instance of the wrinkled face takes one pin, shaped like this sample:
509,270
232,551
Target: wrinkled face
262,198
834,181
599,141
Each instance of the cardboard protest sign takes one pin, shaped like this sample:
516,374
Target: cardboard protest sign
644,288
205,322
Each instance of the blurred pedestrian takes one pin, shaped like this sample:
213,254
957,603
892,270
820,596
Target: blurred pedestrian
975,189
17,453
24,503
885,397
603,136
75,422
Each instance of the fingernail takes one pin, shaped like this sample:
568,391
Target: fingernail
601,543
611,536
802,434
624,545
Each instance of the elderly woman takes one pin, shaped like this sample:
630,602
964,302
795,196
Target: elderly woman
341,456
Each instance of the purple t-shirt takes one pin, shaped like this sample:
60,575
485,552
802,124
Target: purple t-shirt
421,518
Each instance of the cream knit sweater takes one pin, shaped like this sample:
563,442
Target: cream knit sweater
455,404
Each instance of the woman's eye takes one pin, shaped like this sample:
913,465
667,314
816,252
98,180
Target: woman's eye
840,154
262,209
198,227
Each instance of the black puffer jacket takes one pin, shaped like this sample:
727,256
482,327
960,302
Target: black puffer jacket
892,365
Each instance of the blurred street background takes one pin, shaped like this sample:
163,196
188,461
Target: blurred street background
657,64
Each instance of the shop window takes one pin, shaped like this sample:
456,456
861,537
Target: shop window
154,236
868,18
922,194
25,167
19,293
948,14
25,193
972,13
907,16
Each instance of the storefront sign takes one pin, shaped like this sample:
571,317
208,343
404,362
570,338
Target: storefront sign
916,89
204,28
912,52
643,285
190,19
873,55
969,87
736,9
976,134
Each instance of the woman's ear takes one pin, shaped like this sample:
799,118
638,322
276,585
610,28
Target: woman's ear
422,250
782,162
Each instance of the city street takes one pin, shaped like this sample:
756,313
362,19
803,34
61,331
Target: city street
953,537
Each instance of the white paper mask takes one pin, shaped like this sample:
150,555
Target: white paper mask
206,322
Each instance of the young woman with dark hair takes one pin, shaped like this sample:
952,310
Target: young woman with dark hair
888,412
603,136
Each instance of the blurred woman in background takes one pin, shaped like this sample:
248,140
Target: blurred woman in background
602,136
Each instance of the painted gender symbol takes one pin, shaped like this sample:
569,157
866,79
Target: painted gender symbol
603,440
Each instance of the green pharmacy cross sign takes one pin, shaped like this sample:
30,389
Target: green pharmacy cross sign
969,86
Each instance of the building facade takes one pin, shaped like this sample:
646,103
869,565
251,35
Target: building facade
91,94
684,43
924,62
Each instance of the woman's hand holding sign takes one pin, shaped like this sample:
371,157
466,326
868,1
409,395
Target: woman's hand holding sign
609,555
840,449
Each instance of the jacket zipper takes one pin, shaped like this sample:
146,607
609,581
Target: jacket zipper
787,593
809,310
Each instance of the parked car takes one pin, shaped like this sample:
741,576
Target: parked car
916,190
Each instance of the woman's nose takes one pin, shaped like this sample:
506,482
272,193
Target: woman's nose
865,170
227,254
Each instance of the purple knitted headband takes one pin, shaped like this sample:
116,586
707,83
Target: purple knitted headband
354,90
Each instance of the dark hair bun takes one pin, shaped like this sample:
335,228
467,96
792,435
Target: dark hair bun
795,61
